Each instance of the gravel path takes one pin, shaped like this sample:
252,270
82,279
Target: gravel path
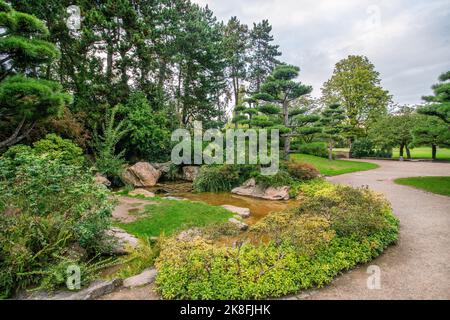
418,267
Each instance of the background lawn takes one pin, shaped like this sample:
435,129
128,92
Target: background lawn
439,185
335,167
170,216
416,153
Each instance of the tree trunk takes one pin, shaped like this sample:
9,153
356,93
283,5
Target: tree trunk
408,153
287,138
401,150
330,151
287,147
434,151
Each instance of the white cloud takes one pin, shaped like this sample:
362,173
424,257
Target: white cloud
406,40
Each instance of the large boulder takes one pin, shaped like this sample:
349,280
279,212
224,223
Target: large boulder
251,189
190,172
142,174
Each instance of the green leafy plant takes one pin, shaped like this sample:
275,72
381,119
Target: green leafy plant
107,160
287,252
47,208
301,171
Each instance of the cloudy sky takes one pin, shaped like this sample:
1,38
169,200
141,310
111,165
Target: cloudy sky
407,40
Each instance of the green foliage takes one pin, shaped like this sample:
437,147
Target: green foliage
25,98
58,148
280,179
439,103
138,260
46,208
318,149
107,160
395,130
355,85
148,131
217,178
352,212
301,171
289,252
363,147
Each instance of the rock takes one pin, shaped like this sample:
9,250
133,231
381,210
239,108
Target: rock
175,198
190,172
146,277
125,241
242,212
95,290
141,192
142,174
250,188
241,225
101,179
164,167
189,235
280,193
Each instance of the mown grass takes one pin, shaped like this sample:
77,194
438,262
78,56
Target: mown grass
335,167
416,153
169,216
439,185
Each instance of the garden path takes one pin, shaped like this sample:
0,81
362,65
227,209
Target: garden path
418,267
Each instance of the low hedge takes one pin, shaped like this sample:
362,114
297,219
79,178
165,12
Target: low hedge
282,254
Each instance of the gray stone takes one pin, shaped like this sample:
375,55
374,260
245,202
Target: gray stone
95,290
141,192
175,198
241,225
242,212
145,277
125,241
251,189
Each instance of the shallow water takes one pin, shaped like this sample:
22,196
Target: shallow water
259,208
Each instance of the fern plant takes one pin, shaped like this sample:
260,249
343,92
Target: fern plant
108,161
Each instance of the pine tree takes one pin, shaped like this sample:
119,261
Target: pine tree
25,97
332,121
263,56
439,103
277,93
235,43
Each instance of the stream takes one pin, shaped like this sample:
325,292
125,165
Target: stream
259,208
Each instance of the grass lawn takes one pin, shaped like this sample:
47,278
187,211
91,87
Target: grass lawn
170,216
425,153
439,185
335,167
416,153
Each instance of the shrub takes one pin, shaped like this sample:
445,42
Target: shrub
217,178
301,171
352,212
281,178
107,160
362,148
46,208
59,148
318,149
290,251
198,269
